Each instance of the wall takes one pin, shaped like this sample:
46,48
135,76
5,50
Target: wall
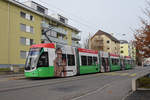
112,45
10,33
125,49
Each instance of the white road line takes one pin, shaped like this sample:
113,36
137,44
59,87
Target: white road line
132,75
97,90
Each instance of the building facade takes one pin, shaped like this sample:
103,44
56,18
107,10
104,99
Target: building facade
132,50
124,48
103,41
22,25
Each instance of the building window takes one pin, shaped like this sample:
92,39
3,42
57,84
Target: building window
26,16
53,34
23,54
40,9
22,14
23,27
26,41
108,48
26,28
31,41
23,40
62,19
31,29
84,60
108,41
121,46
121,51
31,17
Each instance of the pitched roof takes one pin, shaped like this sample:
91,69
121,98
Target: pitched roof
100,32
123,41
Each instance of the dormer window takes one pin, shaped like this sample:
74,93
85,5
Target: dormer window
40,9
62,19
36,6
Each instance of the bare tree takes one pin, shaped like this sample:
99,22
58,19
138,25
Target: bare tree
86,41
142,37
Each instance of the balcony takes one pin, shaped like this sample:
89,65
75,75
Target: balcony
76,37
99,44
98,40
75,44
60,30
56,40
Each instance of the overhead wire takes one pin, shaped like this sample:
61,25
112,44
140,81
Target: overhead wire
73,19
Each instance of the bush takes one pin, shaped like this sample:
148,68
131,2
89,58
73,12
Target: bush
4,69
144,82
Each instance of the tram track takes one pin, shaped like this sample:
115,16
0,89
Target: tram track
47,82
52,81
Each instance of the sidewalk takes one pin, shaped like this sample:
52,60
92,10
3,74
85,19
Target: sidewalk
11,75
112,91
139,95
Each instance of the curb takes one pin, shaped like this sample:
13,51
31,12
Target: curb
135,83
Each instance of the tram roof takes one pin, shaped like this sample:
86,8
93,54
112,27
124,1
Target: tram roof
114,55
44,45
127,57
87,51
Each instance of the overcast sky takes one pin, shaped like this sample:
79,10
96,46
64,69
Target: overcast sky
112,16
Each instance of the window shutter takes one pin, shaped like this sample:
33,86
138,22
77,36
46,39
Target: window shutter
27,28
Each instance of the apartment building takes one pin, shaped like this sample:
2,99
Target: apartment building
132,50
124,48
105,42
22,25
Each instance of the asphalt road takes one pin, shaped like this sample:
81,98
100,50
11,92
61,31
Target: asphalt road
100,86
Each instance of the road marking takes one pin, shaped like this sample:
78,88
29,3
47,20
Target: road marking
134,74
124,74
97,90
110,73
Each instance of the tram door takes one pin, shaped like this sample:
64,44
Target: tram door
105,64
122,64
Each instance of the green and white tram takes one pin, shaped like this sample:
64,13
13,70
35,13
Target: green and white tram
51,60
128,62
114,62
104,61
89,62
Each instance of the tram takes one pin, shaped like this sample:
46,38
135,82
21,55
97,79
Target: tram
128,62
51,60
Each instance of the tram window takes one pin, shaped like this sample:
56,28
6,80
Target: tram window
103,62
71,60
115,61
129,62
84,60
107,62
94,60
43,60
64,57
89,60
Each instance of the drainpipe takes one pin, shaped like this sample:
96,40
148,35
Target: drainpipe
9,34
